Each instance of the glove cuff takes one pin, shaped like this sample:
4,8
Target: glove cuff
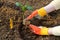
44,31
42,12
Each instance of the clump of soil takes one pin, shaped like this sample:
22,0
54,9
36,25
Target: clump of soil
21,32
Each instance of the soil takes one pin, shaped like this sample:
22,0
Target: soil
21,32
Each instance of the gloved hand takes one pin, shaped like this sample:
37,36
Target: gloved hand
38,13
26,20
35,29
44,30
39,30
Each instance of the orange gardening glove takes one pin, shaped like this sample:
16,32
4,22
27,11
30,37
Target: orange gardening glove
41,12
38,31
34,13
30,17
35,29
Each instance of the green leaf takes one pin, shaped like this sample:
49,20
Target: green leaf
18,4
23,8
28,7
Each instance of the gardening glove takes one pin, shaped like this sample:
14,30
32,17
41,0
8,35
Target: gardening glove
44,30
39,30
41,12
28,18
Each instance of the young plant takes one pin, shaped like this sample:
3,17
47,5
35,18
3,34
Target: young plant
21,6
24,7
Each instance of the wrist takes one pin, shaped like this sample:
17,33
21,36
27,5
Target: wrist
49,8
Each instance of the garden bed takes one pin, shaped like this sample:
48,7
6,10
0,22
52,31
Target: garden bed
21,32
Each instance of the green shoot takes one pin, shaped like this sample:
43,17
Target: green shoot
28,7
18,4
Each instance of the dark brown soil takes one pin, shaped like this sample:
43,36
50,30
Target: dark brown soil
20,32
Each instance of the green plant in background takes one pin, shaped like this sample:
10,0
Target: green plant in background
18,4
24,7
21,6
28,7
